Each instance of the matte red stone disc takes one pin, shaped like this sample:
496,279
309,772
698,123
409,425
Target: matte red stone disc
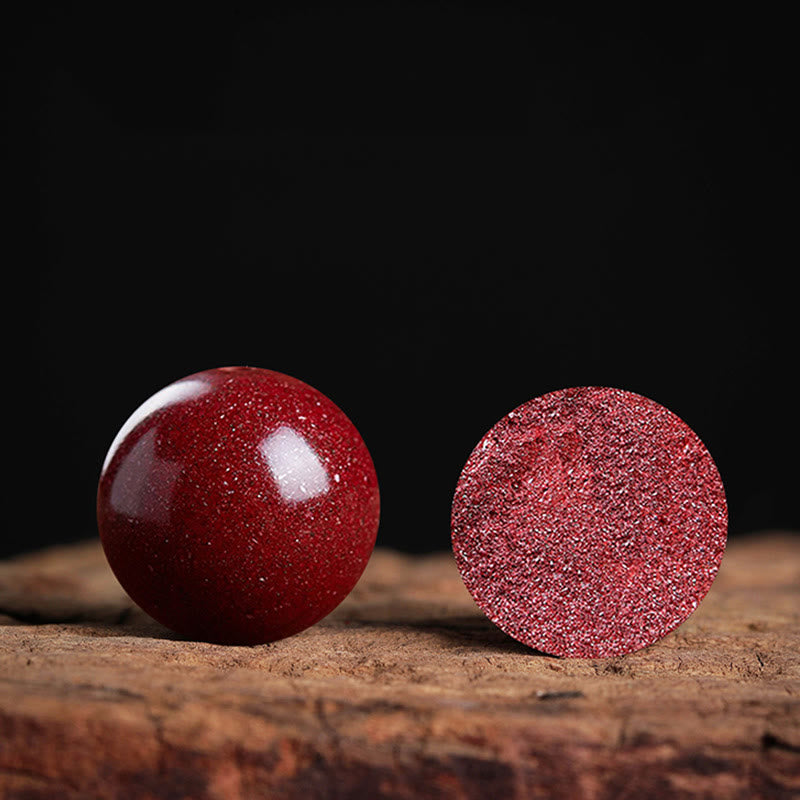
589,522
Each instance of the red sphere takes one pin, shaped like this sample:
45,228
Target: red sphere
589,522
238,505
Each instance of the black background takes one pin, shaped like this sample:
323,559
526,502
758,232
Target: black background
431,212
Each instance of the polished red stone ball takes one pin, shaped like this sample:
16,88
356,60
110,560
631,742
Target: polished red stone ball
238,505
589,522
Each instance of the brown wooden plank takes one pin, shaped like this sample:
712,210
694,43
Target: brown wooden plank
405,691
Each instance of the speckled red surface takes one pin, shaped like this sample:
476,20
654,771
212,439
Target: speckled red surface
589,522
238,505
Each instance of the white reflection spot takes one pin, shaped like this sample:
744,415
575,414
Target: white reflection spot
168,396
295,467
144,482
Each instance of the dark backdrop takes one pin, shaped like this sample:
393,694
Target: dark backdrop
431,212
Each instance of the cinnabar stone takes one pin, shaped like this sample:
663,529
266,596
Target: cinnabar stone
589,522
238,505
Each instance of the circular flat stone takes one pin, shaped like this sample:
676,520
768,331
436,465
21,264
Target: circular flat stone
589,522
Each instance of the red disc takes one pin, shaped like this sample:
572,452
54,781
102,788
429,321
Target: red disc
589,522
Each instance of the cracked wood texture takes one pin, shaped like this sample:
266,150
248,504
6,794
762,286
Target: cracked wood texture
405,691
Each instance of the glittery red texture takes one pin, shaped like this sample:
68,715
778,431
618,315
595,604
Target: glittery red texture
238,505
589,522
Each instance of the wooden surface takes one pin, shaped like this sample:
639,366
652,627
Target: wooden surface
405,691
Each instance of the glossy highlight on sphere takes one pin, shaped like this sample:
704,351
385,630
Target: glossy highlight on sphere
238,505
589,522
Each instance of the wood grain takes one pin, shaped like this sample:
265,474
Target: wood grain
405,691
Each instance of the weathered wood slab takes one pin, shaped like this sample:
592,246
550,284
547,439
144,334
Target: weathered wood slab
405,691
